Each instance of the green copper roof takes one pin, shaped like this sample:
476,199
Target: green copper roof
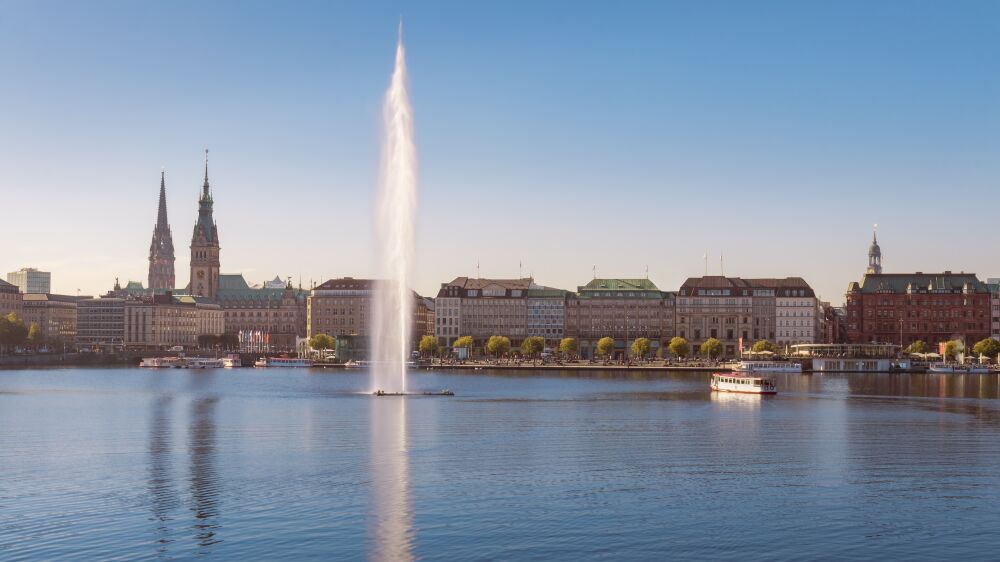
619,285
234,287
619,288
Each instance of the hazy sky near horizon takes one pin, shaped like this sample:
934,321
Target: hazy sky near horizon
563,135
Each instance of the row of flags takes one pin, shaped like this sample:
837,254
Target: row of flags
254,340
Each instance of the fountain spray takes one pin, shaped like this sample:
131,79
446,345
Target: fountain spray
392,317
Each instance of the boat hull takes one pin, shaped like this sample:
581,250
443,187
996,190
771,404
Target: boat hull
762,392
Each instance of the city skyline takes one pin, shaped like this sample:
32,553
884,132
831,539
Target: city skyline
769,165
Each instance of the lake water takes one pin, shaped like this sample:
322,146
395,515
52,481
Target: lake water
300,464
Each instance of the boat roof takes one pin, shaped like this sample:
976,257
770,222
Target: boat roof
738,375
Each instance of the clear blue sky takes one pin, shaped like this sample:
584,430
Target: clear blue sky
561,134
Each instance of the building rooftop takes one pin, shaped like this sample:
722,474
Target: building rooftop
743,287
38,297
919,282
619,285
524,283
233,287
346,284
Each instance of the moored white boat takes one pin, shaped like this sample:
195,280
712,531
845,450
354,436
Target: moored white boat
282,362
957,369
203,363
232,360
180,363
767,367
743,384
162,362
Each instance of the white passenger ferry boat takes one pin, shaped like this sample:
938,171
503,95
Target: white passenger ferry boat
203,363
958,369
232,360
767,367
743,384
162,363
181,363
282,362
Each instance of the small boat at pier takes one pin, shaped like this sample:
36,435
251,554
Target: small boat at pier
282,362
767,367
958,369
162,363
202,363
181,363
232,360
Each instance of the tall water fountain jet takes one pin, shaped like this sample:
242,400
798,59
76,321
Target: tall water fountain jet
392,316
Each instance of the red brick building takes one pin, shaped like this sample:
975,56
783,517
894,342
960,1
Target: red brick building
900,308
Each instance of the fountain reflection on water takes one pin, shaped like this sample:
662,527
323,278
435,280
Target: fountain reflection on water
394,223
391,510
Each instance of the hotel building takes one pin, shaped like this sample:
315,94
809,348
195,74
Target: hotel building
622,309
900,308
54,314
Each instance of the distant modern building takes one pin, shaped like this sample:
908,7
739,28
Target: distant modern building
621,309
161,249
900,308
100,324
547,315
55,316
10,299
31,280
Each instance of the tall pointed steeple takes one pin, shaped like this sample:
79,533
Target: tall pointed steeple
874,254
205,245
161,249
206,192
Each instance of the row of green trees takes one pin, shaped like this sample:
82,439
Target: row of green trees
988,347
496,345
500,345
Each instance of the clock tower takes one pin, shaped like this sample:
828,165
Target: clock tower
205,246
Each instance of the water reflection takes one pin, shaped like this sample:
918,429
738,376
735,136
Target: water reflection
391,511
163,497
738,400
204,478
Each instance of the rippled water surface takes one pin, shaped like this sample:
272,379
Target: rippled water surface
298,464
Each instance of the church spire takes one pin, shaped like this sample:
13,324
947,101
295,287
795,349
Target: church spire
161,214
206,194
161,249
874,254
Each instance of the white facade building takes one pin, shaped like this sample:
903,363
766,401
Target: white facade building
795,320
